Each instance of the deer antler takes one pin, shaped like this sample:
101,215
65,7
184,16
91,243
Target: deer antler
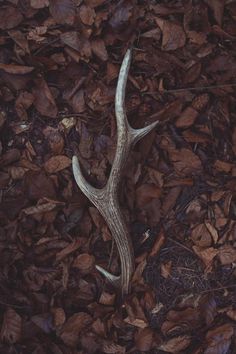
106,199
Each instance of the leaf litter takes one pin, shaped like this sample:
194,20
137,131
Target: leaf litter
59,62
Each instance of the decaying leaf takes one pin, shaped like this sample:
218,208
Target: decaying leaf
11,326
57,163
176,344
63,11
173,35
44,101
71,330
218,340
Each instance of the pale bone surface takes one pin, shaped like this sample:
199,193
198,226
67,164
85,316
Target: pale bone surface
106,199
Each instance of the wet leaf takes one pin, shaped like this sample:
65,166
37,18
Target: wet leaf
11,326
57,163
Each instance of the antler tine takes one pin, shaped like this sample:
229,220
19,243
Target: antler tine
106,199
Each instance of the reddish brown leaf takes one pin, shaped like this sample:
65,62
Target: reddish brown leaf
99,49
187,118
121,16
176,344
10,17
218,340
84,262
158,244
185,161
63,11
39,4
16,69
201,236
38,185
173,35
11,326
59,316
145,193
44,101
206,255
20,40
87,15
144,339
227,254
70,333
107,299
23,102
57,163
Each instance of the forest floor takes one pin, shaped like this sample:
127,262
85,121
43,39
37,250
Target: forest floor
59,63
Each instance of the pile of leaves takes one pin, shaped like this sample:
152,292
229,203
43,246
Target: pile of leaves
59,62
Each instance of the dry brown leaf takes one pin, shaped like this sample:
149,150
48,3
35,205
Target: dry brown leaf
43,206
78,102
121,16
16,69
223,166
160,240
11,326
19,38
166,269
72,247
44,101
71,330
187,118
145,193
186,319
63,11
77,42
176,344
39,4
185,161
144,339
170,199
55,140
59,316
212,230
99,49
39,185
201,236
112,348
57,163
107,298
218,340
22,103
173,35
84,262
87,15
10,17
227,254
217,7
206,255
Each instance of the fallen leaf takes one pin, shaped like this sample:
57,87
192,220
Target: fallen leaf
84,262
218,340
42,207
11,326
20,39
176,344
87,15
173,35
166,269
44,101
144,339
10,17
217,6
206,255
58,315
160,240
63,11
99,49
107,298
72,247
57,163
227,254
23,102
71,330
39,4
187,118
201,236
212,230
185,161
145,193
121,16
112,348
16,69
39,185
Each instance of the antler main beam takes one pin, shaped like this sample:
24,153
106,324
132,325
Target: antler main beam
106,199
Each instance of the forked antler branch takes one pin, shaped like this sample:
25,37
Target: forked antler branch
106,199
